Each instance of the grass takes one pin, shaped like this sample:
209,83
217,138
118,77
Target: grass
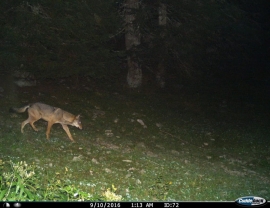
192,149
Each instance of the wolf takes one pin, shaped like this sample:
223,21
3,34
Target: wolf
50,114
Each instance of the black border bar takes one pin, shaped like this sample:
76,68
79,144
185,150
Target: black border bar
118,204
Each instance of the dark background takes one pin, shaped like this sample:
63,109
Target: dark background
220,45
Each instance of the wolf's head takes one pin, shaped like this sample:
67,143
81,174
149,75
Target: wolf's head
77,122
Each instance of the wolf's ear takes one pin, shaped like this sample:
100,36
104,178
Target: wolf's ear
78,116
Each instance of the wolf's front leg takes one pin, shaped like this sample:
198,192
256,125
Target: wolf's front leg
65,127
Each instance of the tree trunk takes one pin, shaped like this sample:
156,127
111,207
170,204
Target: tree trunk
162,20
132,39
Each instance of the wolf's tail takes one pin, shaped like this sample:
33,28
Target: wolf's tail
19,110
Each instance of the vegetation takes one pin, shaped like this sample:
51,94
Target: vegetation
23,182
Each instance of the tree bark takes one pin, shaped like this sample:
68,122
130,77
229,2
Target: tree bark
132,39
162,20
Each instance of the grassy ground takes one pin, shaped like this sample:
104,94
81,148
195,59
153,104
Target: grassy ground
192,147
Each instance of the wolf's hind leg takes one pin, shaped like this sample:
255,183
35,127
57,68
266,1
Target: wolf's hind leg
23,124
